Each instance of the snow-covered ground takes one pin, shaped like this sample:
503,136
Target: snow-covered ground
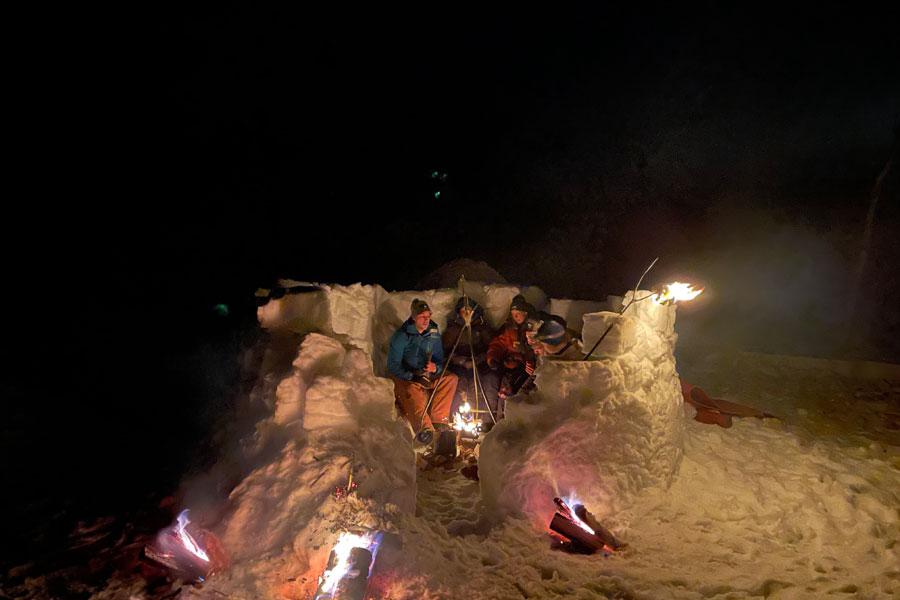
801,507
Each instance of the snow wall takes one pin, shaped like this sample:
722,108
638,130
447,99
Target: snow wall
365,316
327,407
602,429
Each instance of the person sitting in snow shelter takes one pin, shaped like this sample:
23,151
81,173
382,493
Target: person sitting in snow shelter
415,362
456,334
509,356
558,342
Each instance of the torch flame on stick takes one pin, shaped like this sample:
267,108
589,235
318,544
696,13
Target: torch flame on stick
676,292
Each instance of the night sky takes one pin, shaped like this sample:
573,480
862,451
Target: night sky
182,157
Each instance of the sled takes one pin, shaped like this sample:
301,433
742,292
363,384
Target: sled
716,411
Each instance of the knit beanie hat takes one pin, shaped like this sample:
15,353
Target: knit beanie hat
551,332
417,307
520,303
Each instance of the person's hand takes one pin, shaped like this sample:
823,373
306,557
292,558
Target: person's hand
422,380
466,313
467,363
431,367
529,367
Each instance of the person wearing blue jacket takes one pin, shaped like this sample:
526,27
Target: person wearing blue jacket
415,362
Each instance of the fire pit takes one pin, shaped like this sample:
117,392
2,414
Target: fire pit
190,557
349,566
575,523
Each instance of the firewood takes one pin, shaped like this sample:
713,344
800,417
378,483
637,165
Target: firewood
571,530
609,540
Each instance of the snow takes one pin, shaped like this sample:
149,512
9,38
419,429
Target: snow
573,311
801,507
604,429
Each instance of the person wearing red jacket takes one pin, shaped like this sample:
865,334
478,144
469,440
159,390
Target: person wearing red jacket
509,357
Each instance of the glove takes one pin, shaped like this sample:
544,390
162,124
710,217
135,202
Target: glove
422,380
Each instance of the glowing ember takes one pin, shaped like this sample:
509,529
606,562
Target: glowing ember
342,566
570,501
187,540
193,558
676,292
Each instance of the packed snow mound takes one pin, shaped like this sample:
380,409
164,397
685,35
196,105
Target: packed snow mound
448,274
332,415
604,429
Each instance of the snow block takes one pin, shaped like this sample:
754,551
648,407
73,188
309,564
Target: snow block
573,311
604,429
343,311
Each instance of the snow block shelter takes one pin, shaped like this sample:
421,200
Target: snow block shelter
601,429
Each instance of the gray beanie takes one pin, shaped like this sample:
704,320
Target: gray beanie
417,307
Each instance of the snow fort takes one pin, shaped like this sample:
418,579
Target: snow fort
329,454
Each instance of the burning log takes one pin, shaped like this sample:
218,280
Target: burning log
194,558
571,531
609,540
349,565
352,586
580,526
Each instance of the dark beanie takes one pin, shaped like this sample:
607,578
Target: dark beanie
520,303
417,307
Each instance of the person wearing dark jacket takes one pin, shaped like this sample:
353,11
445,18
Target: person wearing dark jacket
415,361
461,363
509,356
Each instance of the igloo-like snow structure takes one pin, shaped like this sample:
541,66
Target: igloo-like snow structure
604,429
329,408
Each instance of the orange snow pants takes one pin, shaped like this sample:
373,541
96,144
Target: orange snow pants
412,398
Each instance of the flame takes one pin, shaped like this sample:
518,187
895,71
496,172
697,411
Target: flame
347,542
570,501
187,540
462,420
677,291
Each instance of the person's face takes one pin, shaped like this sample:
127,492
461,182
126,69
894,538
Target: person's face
519,316
422,320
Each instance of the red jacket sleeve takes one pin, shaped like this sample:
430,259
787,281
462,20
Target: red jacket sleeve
500,346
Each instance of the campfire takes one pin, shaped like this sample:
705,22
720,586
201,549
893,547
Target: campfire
465,423
573,522
194,558
349,566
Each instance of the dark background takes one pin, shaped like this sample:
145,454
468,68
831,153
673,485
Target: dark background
176,159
